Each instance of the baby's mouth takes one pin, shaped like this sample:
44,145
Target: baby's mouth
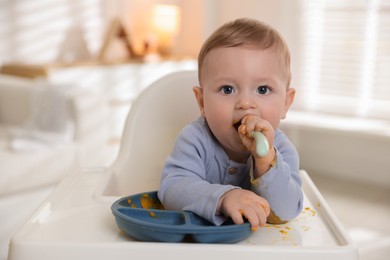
237,125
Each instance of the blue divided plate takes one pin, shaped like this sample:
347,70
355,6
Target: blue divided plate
143,217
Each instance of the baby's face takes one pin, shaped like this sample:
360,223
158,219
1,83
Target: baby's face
240,81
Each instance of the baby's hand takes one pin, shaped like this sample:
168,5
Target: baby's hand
238,203
252,123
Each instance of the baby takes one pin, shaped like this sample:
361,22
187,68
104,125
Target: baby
214,170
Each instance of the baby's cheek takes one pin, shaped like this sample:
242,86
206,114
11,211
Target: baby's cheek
274,120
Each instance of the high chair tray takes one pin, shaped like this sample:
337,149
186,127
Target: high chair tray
143,217
76,222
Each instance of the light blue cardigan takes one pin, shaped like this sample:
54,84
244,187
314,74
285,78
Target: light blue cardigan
198,172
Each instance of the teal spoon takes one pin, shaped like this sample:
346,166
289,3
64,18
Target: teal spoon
262,146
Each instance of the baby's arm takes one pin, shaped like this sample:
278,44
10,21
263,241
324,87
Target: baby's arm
275,177
281,184
239,203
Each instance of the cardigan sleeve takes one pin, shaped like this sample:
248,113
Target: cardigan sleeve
281,185
183,184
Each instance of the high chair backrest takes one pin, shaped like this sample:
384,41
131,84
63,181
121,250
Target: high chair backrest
155,119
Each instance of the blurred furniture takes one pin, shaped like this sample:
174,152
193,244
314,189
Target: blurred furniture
99,97
103,91
31,170
27,160
351,149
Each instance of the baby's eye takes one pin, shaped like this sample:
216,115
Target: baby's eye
263,90
227,90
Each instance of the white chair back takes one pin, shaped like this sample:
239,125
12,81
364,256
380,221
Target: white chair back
155,119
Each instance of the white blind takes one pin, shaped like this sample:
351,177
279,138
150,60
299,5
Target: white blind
347,57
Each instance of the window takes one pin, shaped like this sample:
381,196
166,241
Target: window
347,57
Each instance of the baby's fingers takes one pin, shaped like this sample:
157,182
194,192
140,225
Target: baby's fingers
237,217
263,204
257,216
261,215
252,217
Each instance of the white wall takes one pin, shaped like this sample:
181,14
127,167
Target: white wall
34,31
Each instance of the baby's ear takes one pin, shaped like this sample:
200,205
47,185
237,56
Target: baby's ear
290,95
198,91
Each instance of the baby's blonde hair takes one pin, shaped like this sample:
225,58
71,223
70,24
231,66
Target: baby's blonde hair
249,33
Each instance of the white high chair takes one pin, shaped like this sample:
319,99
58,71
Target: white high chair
76,221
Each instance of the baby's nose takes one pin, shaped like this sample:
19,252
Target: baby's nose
246,101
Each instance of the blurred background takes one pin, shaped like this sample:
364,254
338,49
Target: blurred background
70,71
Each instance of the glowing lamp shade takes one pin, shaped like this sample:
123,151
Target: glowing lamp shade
165,23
